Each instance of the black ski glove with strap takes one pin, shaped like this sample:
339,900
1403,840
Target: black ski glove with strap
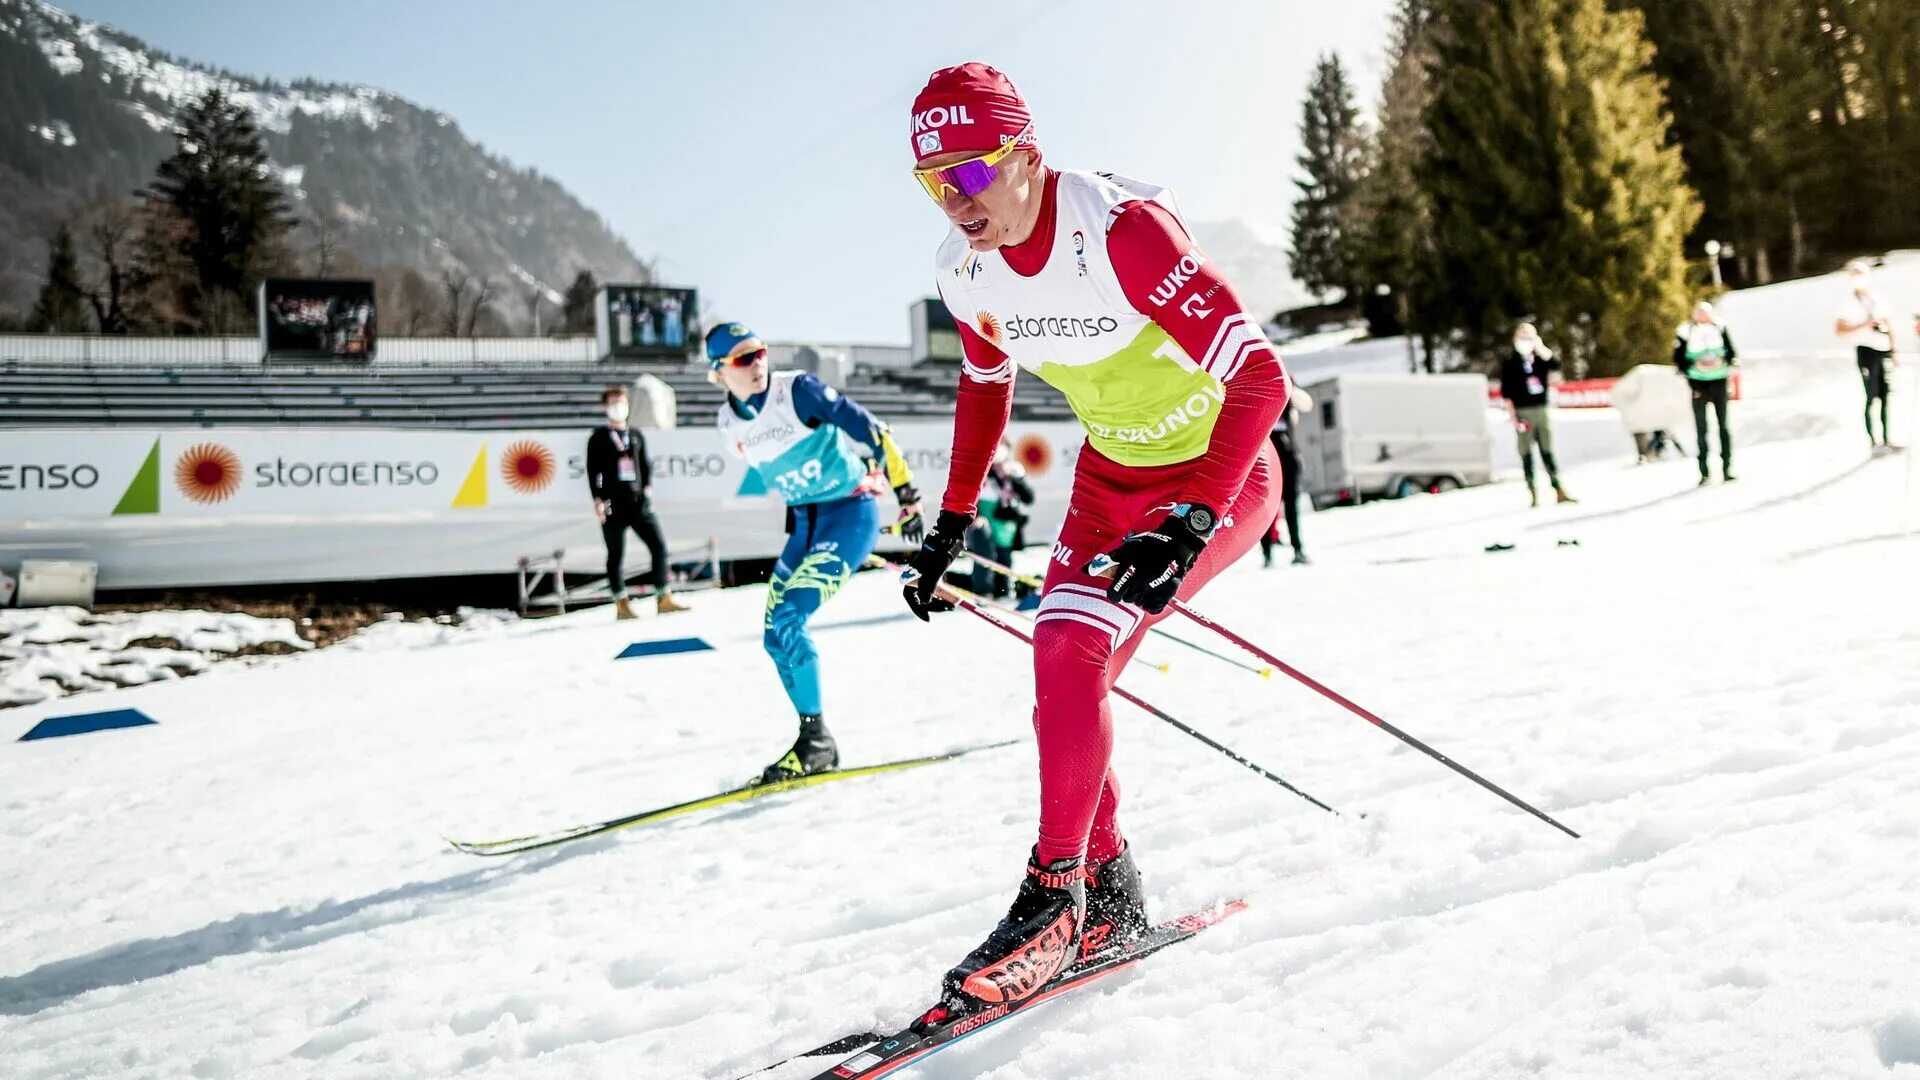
929,564
1147,568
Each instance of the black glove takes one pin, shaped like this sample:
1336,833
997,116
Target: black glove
1146,569
929,564
912,525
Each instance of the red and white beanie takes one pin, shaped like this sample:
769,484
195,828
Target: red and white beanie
972,108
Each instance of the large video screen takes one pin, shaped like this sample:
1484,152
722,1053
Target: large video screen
318,319
641,321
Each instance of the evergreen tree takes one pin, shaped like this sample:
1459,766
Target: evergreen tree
220,188
1398,242
1554,191
1327,230
576,311
62,306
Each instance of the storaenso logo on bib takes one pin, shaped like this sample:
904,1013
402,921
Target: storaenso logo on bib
1059,326
1190,410
784,431
283,473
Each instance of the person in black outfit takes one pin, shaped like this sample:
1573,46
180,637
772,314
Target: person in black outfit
1282,436
1524,382
622,486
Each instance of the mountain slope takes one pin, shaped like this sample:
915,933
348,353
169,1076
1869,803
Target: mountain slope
85,112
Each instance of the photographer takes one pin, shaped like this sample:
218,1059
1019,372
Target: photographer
1003,514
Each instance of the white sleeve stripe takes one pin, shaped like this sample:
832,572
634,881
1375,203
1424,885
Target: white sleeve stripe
1220,337
1088,620
1119,619
1247,351
1001,373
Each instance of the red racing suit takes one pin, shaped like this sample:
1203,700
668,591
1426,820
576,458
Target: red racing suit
1110,301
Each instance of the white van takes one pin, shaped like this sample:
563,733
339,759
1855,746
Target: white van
1385,436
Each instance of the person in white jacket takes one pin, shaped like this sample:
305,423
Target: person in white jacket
1866,321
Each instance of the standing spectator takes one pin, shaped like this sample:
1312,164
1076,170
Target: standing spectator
1283,444
622,486
1002,512
1866,322
1524,382
1703,351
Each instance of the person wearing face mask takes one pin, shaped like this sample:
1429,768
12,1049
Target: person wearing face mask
829,459
1091,282
1703,351
1867,323
1524,384
621,482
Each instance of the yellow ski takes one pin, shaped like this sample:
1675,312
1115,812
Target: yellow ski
518,844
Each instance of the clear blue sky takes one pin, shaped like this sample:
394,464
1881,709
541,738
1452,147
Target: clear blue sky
759,150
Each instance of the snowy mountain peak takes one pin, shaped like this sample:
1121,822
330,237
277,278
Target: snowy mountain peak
75,46
87,111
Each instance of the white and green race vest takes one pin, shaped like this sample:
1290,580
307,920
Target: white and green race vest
1706,350
1142,399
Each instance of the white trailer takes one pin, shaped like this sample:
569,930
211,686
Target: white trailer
1375,436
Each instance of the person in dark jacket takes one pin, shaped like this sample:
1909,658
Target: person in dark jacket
622,485
1703,351
1523,382
1283,444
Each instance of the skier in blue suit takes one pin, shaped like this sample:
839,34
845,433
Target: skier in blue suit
829,459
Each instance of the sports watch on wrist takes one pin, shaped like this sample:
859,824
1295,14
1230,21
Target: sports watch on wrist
1197,519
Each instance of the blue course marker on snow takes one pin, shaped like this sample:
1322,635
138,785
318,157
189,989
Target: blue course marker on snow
664,648
55,726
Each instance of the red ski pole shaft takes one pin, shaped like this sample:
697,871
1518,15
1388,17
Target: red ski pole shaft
963,600
1038,583
1341,700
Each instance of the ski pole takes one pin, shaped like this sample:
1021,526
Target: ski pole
1315,685
961,598
1029,579
880,563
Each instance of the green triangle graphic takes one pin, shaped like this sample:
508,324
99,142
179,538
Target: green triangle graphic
753,483
143,495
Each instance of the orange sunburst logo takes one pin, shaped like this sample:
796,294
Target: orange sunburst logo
207,473
1034,452
527,467
989,327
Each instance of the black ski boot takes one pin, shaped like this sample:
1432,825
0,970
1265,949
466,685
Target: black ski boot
813,752
1116,906
1031,945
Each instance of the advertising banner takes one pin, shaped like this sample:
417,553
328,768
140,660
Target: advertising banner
234,505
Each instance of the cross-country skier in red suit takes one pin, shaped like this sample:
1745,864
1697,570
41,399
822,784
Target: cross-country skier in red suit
1089,281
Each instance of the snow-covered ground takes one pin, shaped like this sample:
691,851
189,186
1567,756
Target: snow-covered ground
1716,686
49,652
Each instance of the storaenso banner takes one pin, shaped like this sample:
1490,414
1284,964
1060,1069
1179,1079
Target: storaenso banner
646,321
318,319
312,504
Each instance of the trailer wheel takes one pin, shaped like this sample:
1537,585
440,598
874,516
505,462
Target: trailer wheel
1407,486
1445,483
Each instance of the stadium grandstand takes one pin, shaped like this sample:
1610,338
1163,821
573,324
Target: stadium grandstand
440,383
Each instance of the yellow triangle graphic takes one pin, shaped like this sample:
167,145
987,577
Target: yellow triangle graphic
474,491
